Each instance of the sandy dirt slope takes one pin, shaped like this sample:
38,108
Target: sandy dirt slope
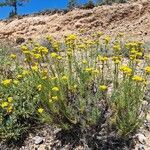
131,18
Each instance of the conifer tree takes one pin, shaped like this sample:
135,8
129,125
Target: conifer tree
72,4
14,4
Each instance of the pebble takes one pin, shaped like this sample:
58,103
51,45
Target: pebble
38,140
146,125
141,138
141,147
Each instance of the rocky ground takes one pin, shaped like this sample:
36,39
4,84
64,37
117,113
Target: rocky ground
49,138
131,18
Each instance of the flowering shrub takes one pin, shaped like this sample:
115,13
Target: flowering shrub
67,86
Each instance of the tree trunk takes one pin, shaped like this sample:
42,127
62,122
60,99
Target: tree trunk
15,8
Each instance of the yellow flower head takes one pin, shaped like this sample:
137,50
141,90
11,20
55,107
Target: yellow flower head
55,89
99,34
102,87
56,45
116,58
84,62
4,104
107,39
116,47
71,37
120,34
25,72
59,57
82,30
43,50
53,78
35,68
40,110
24,48
102,59
89,43
49,38
117,61
133,57
44,72
27,52
10,99
126,70
89,70
139,54
15,82
39,87
146,82
55,98
64,78
37,45
69,54
75,86
6,82
133,51
19,76
147,69
44,77
53,55
13,56
9,109
95,71
82,46
37,56
137,78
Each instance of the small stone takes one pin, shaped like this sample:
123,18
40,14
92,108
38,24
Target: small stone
141,138
38,140
146,124
145,103
141,147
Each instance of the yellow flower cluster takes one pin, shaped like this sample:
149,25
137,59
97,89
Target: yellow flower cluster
6,82
107,40
7,104
117,47
116,59
13,56
137,78
126,70
147,69
102,59
39,87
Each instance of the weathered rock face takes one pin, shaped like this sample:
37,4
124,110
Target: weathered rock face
131,18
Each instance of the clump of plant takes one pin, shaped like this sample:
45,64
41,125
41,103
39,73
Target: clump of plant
127,101
18,99
77,83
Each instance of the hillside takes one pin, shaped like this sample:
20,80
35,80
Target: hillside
133,18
